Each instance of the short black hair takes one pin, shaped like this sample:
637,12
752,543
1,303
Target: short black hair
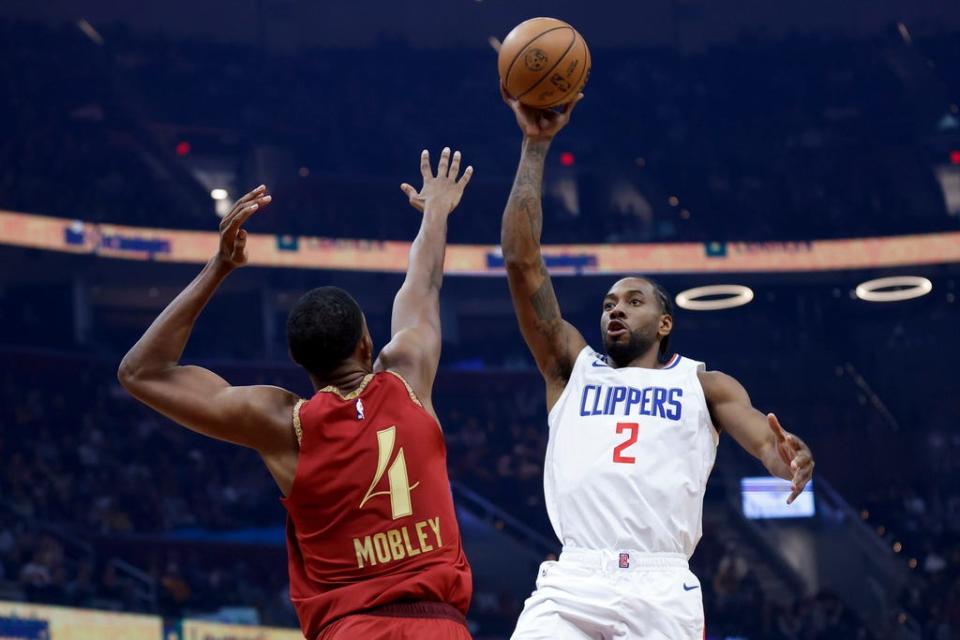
666,305
323,329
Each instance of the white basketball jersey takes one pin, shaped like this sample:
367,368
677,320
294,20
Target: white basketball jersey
628,458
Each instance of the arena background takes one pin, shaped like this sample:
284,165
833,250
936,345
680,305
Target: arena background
798,150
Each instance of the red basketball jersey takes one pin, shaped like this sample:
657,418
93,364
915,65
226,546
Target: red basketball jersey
370,516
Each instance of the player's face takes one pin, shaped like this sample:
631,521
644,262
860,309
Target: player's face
630,320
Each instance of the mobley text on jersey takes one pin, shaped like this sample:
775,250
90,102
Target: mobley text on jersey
397,544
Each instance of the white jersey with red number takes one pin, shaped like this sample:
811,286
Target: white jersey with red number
628,458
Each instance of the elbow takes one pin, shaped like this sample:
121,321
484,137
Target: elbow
130,375
511,252
519,265
126,374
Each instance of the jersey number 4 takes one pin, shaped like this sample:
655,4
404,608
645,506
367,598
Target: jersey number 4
399,492
634,430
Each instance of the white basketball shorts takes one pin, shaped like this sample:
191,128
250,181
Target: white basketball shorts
602,595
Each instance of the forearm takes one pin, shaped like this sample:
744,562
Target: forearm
163,343
523,215
425,268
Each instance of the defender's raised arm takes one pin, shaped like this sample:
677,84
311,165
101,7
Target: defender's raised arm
414,348
195,397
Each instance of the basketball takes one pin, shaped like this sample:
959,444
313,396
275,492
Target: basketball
544,62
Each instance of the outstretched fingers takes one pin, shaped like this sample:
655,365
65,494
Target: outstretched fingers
454,166
465,178
252,194
248,210
242,210
443,166
425,165
802,468
240,205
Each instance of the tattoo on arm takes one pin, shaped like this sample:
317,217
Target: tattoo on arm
530,282
525,196
534,212
544,302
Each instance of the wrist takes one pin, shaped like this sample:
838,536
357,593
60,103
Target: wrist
537,143
436,210
220,265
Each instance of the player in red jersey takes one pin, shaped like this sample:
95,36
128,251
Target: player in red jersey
373,543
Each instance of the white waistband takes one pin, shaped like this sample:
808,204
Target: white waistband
623,559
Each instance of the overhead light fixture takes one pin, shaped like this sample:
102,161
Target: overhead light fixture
89,31
219,194
735,295
894,289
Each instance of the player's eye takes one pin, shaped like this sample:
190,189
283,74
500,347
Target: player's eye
636,301
607,306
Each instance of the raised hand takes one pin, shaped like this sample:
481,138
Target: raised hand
233,238
795,454
539,124
443,191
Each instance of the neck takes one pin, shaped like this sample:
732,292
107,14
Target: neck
344,378
649,359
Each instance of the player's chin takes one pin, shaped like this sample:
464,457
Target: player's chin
616,337
615,344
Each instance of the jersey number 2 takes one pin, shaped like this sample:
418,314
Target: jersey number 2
634,430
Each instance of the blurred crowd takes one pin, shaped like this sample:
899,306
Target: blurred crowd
87,464
807,137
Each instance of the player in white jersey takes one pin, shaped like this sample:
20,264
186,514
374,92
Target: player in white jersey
633,439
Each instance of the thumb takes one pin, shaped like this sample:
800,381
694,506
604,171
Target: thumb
776,428
240,245
408,190
568,108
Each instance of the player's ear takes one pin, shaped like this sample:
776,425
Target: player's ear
364,351
666,325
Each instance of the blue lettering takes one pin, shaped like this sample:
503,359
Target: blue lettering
596,402
619,394
659,397
583,399
606,402
633,397
674,402
644,401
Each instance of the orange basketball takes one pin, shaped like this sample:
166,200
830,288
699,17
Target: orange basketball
544,62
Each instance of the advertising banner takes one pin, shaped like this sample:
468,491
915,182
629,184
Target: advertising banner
305,252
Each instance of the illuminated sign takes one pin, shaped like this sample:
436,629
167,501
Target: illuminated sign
197,630
304,252
61,623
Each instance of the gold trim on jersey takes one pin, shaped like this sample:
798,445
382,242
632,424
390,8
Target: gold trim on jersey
298,429
353,394
413,396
